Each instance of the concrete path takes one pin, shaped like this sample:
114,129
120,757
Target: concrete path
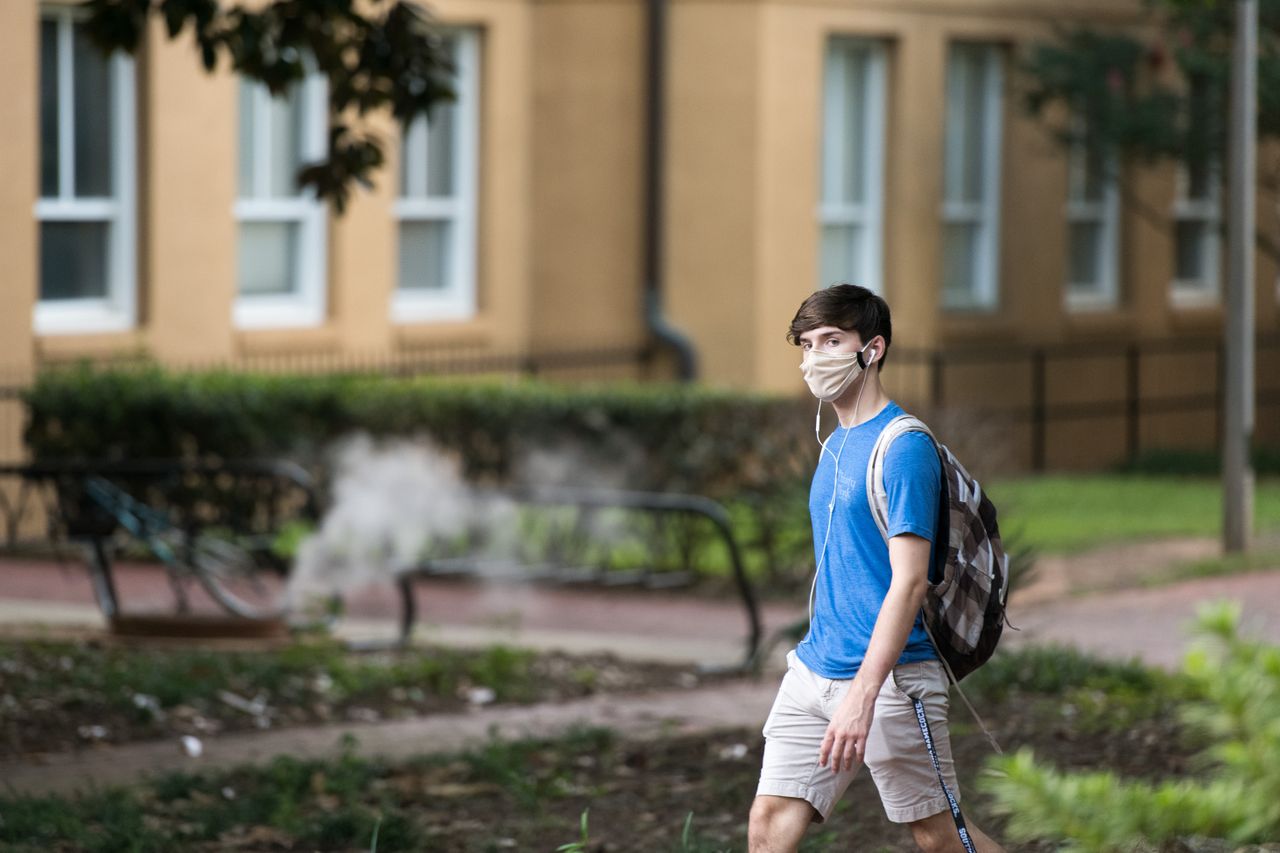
639,716
640,624
1146,623
1149,624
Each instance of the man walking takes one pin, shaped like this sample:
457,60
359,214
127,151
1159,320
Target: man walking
847,696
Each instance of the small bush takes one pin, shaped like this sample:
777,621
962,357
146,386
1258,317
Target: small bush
1234,685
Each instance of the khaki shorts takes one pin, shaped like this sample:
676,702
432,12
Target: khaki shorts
895,753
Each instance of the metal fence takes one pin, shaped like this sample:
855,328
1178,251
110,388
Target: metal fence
1132,396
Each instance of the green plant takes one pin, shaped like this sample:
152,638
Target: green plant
1194,463
1234,689
580,845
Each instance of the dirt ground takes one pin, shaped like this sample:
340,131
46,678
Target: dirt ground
639,795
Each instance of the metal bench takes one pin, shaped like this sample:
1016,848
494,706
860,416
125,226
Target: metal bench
170,507
561,568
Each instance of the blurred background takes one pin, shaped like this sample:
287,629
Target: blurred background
390,364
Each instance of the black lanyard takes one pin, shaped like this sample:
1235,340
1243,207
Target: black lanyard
933,755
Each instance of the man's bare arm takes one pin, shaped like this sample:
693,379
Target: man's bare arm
846,737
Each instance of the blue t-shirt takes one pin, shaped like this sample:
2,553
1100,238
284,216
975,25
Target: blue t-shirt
853,579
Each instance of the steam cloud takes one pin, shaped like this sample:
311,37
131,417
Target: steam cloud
396,503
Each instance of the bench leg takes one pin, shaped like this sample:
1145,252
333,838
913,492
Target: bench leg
408,611
104,585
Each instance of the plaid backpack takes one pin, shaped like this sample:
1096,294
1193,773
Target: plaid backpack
964,611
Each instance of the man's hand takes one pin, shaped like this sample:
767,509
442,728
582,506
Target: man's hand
846,738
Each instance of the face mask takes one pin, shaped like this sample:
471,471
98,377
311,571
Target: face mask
828,374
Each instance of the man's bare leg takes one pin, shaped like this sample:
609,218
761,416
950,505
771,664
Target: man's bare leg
938,834
777,824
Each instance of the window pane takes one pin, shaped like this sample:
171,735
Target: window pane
73,260
285,146
1189,250
268,257
93,108
48,108
425,255
975,122
959,259
853,126
1095,176
248,127
967,109
1199,181
407,151
841,255
1089,176
845,123
1084,255
441,132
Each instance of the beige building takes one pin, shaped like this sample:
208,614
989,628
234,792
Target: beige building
149,207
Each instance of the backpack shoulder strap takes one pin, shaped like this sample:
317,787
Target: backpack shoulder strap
877,496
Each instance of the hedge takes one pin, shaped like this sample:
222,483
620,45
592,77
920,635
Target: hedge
752,451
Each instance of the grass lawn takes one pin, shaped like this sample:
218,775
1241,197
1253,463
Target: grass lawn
1063,514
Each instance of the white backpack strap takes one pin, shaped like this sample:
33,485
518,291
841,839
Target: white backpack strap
877,495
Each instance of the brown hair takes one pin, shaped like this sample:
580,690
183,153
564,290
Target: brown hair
848,307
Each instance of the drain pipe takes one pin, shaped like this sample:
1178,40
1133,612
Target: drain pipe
661,332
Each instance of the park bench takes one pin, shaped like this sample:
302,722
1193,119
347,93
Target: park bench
216,523
567,563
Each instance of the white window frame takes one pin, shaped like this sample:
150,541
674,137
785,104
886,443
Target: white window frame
1105,212
306,304
867,217
117,311
1206,291
984,213
458,300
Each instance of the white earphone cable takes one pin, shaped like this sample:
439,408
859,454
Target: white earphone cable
835,484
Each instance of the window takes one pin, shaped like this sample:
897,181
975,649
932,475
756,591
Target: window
1093,227
87,180
1197,240
851,211
436,210
971,196
281,245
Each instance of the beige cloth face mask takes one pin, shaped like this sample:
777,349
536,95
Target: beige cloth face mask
828,373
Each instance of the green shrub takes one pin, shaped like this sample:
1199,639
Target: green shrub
1195,463
713,441
751,450
1234,686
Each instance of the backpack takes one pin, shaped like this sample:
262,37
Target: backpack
964,612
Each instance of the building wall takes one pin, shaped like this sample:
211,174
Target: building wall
587,202
561,209
712,268
19,60
19,152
